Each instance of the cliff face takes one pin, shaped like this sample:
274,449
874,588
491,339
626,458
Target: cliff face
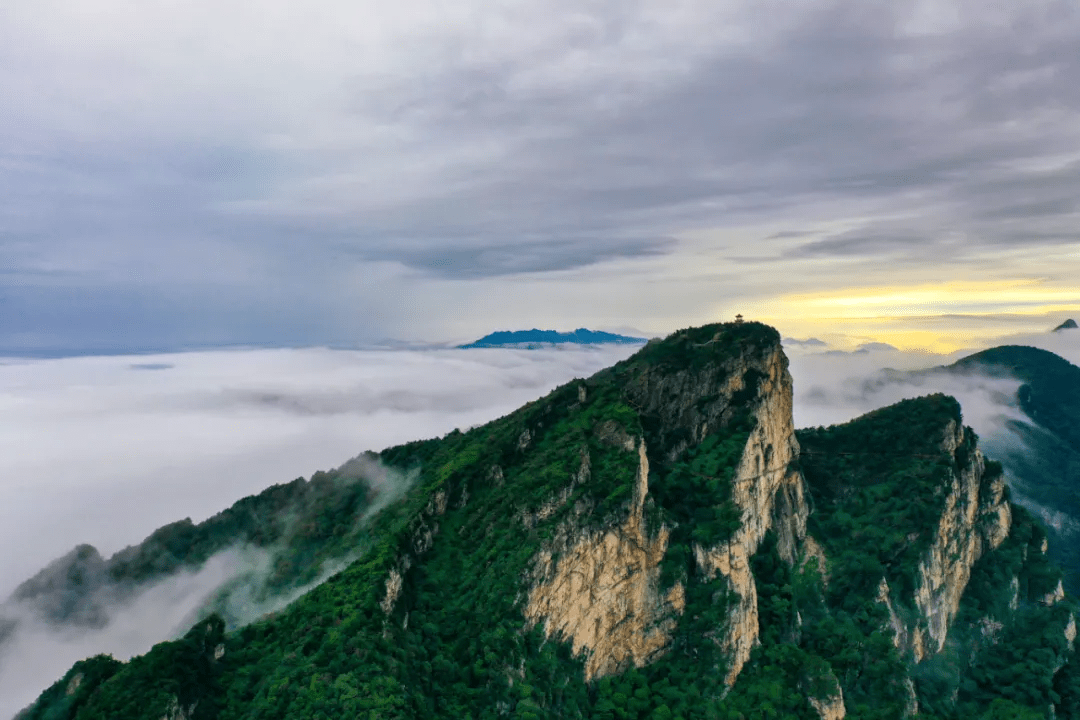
929,510
975,519
598,586
602,594
636,544
768,490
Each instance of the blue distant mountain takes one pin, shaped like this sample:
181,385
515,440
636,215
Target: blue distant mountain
581,336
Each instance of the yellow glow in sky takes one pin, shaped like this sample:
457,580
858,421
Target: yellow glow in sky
940,317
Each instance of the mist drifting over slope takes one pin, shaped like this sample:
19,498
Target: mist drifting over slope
833,387
104,450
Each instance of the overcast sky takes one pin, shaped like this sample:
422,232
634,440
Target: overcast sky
198,173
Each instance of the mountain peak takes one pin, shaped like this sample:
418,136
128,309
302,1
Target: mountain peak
1069,324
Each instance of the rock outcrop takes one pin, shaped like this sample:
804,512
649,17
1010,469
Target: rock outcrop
1054,596
904,638
830,707
769,491
602,593
972,522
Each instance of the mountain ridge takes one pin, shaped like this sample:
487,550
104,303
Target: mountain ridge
1069,324
651,542
581,336
1042,454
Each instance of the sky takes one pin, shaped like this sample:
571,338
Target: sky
179,175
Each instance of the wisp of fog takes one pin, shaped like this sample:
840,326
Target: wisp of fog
834,387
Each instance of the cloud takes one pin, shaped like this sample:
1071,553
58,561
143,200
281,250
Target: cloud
181,174
833,386
99,450
37,653
142,449
542,255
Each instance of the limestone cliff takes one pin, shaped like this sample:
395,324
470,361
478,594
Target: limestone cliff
974,519
830,707
635,544
768,489
597,586
602,593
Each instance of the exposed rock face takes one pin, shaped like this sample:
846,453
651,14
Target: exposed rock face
830,707
813,552
1054,596
549,508
602,593
393,590
76,681
769,491
966,529
905,639
175,711
422,533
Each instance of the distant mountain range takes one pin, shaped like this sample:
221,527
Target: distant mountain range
525,338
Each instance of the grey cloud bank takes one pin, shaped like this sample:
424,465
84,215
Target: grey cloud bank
93,451
188,175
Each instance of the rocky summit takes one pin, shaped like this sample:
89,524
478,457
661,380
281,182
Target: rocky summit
654,542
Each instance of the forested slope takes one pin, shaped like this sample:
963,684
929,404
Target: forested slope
1043,454
295,529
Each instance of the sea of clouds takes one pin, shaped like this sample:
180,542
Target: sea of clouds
834,387
103,450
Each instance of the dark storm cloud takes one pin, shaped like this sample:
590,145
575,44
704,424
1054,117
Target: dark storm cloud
554,141
838,106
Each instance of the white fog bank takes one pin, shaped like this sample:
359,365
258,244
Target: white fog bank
103,450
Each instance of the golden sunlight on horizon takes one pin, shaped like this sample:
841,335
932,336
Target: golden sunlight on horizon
939,317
